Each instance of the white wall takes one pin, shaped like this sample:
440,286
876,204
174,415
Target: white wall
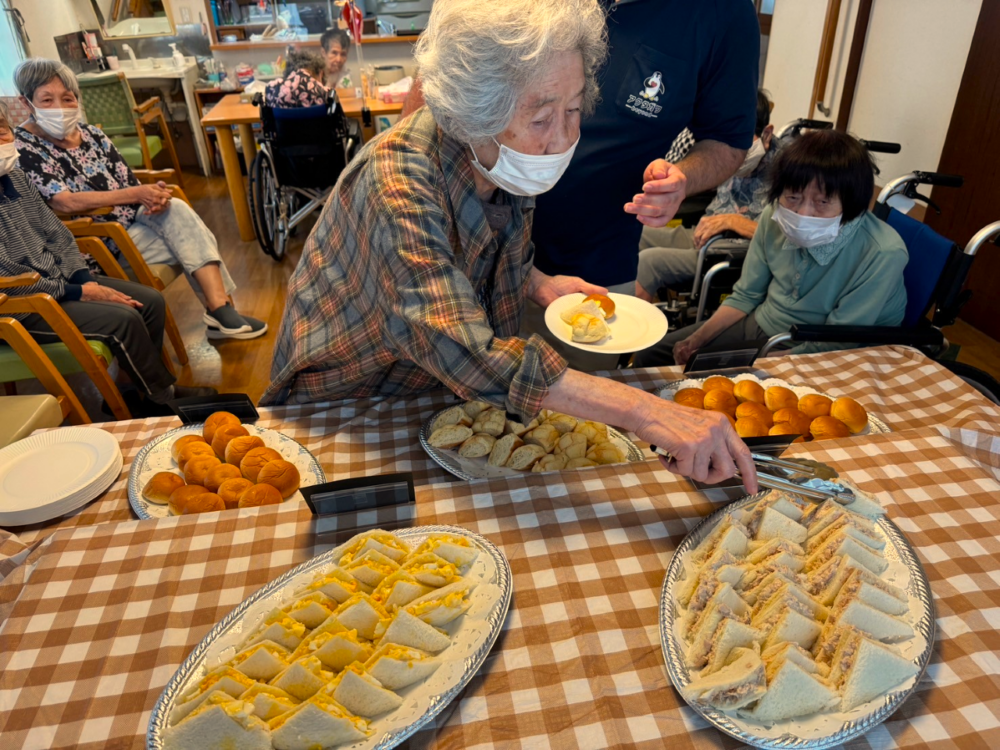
910,71
46,19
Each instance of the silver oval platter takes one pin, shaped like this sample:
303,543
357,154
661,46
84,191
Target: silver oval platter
875,425
473,635
155,457
819,730
478,468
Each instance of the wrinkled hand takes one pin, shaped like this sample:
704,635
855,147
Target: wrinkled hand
156,198
665,186
94,292
708,227
684,350
704,445
548,289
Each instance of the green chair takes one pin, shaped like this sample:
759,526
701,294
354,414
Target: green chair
110,105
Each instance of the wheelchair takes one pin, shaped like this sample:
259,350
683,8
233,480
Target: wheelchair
303,152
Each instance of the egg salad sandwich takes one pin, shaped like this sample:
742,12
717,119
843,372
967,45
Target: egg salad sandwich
777,552
224,680
363,614
303,678
841,544
772,524
825,582
442,605
704,634
431,570
730,635
399,589
371,567
829,641
320,722
875,592
784,623
850,524
723,594
797,654
850,610
268,701
779,590
279,628
698,586
221,722
727,535
397,667
791,692
312,609
458,550
262,661
362,694
758,578
335,649
736,684
408,630
336,583
380,541
864,669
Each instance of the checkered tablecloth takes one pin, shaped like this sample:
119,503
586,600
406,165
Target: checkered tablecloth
98,616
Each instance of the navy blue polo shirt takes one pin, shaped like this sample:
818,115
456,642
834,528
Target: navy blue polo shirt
672,64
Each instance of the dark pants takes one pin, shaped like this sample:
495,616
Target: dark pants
135,337
662,353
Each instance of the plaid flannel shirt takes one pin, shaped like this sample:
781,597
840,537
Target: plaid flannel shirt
403,285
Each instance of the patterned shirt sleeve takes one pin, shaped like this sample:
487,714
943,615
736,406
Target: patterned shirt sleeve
47,175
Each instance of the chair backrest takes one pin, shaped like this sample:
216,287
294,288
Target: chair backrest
108,100
307,144
929,255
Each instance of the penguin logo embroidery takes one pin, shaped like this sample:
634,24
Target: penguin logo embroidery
643,103
654,86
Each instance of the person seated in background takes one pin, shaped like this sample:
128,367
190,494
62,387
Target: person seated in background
126,316
336,43
818,257
77,168
302,83
669,255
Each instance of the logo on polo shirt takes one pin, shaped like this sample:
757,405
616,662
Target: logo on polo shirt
643,102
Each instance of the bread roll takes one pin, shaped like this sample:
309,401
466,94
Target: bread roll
798,421
191,450
204,503
606,304
160,486
254,461
503,448
747,427
719,383
595,432
175,449
231,489
545,436
224,435
196,470
519,428
259,494
756,411
851,413
786,429
282,475
477,446
813,405
219,474
748,390
217,420
825,428
572,445
491,421
605,453
564,423
179,497
525,457
778,397
580,463
450,437
454,415
239,446
693,398
550,463
475,408
721,400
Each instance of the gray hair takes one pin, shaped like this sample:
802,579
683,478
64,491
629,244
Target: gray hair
477,57
35,72
5,114
332,35
304,59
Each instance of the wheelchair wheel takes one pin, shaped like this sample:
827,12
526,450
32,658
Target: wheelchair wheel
265,206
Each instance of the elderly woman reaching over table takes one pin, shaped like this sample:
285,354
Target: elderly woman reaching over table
419,267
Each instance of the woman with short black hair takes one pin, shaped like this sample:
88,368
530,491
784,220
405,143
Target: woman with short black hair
819,256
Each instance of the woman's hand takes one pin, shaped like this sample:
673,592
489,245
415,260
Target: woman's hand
155,198
94,292
544,289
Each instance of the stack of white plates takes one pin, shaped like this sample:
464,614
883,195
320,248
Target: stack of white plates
54,473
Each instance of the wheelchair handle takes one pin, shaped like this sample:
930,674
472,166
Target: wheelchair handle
938,178
801,123
908,182
984,235
882,147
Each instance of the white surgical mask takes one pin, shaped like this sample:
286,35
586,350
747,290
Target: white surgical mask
8,158
525,174
806,231
754,155
58,123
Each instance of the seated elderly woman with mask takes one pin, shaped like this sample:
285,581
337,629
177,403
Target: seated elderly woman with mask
818,257
419,266
76,168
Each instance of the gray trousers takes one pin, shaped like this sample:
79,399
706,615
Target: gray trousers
667,256
663,353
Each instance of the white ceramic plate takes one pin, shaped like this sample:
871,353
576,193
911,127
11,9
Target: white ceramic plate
48,475
155,457
636,324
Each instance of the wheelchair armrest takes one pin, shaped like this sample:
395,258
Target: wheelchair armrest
917,336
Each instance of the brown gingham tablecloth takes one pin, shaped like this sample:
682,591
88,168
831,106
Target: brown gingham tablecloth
97,614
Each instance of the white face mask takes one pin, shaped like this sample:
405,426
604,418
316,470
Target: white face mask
525,174
806,231
8,158
754,155
57,123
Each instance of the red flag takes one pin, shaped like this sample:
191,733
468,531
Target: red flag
354,18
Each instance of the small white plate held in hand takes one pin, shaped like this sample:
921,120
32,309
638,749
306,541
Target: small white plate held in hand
636,324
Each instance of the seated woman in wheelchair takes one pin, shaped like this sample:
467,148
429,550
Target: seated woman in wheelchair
818,257
77,169
302,84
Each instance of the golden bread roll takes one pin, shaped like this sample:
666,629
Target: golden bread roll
219,474
693,398
605,453
851,413
825,428
721,400
786,429
748,427
605,303
595,432
191,450
255,459
550,463
196,470
525,457
718,383
160,486
545,436
239,446
179,443
217,420
224,435
179,497
813,405
580,463
756,411
231,489
564,423
476,446
259,494
747,390
572,445
282,475
799,421
204,503
778,397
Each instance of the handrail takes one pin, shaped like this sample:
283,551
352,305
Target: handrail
825,57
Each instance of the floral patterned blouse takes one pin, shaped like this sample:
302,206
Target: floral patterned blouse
94,165
297,89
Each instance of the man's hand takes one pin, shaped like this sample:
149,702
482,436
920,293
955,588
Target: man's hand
544,289
684,350
94,292
665,186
